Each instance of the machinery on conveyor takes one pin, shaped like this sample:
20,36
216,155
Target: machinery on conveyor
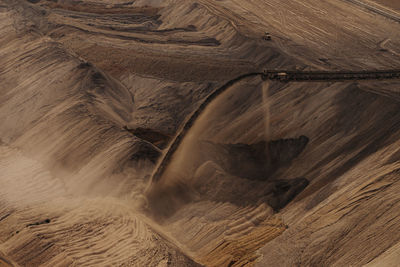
286,76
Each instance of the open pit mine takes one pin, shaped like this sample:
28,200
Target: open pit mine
199,133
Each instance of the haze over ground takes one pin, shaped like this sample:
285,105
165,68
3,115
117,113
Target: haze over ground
271,174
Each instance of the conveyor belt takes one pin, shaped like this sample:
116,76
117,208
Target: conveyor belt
275,75
286,76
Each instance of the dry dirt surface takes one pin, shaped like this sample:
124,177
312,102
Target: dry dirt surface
389,3
270,173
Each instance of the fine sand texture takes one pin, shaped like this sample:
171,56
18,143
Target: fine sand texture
93,92
389,3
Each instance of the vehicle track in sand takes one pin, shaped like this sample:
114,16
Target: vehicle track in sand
376,9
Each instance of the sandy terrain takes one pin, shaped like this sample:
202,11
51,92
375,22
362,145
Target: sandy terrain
3,263
271,174
389,3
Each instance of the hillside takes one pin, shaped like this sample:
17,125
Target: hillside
93,92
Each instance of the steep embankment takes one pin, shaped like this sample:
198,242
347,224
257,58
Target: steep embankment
64,113
42,223
346,135
90,89
62,138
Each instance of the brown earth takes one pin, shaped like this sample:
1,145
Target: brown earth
389,3
271,174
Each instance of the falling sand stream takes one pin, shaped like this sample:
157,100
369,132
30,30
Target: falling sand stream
228,207
209,122
267,115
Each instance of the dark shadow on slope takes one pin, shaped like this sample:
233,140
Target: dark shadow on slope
393,158
145,151
285,191
157,138
256,161
240,174
99,8
47,221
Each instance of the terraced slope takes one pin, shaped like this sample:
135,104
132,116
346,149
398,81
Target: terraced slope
274,174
